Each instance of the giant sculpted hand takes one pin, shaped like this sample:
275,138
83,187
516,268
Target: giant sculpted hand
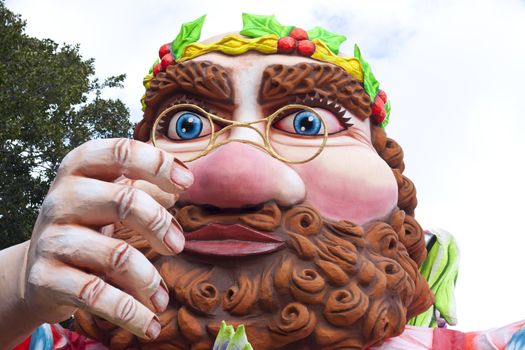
70,264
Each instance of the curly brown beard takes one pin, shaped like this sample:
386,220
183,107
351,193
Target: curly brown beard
336,285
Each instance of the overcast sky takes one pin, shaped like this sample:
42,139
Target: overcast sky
452,69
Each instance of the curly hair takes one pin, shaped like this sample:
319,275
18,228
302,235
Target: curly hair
336,285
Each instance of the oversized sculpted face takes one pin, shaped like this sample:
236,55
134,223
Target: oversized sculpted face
348,180
315,255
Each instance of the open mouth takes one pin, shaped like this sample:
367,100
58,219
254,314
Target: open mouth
230,240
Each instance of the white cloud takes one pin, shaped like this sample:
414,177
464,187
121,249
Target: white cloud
453,69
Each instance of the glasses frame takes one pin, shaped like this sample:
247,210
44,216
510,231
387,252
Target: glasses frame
230,124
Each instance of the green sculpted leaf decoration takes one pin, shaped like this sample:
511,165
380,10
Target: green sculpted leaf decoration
370,82
189,33
224,336
239,340
332,40
255,26
440,270
388,107
228,339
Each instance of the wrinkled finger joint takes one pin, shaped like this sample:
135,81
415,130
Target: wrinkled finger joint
160,222
125,200
122,151
126,309
120,256
92,290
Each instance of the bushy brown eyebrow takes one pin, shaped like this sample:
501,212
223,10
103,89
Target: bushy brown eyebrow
281,83
203,79
200,79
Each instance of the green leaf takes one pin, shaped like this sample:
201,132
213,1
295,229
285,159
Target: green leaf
332,40
189,33
255,26
370,82
440,270
239,340
387,118
224,336
229,339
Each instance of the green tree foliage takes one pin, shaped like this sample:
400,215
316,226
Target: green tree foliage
50,103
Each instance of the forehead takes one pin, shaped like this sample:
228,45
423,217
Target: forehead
248,68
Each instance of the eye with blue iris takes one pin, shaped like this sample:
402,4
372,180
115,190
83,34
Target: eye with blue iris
306,123
188,125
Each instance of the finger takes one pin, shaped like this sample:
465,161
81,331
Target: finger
70,286
107,159
114,259
89,202
166,199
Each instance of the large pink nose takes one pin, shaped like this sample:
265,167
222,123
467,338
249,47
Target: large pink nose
238,175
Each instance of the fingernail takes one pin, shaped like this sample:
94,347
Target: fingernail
174,238
107,230
153,329
163,284
178,161
160,298
181,175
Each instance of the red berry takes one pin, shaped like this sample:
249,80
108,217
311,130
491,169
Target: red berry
377,120
306,48
378,111
164,50
157,69
299,34
167,59
382,95
286,45
378,107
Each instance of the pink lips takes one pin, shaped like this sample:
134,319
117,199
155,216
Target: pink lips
230,240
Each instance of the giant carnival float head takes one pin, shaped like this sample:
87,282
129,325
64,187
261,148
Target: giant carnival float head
300,223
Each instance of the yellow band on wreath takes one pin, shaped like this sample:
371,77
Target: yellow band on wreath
232,44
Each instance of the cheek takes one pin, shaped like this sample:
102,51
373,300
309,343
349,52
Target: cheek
350,183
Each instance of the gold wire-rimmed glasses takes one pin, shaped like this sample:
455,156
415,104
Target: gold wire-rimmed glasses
230,124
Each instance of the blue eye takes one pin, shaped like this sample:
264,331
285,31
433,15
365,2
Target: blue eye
306,123
188,126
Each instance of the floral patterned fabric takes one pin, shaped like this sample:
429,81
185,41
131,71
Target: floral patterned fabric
54,337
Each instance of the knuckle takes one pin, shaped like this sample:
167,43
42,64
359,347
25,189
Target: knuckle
72,157
126,309
161,162
57,204
91,291
159,223
64,163
51,206
47,243
120,256
125,200
36,277
122,151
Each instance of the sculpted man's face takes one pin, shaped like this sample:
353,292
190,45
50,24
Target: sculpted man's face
348,180
318,255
